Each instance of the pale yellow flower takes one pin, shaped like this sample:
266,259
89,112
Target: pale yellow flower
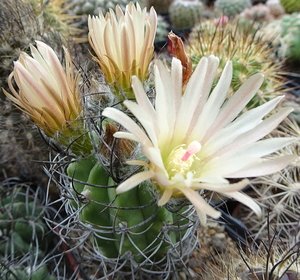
123,43
198,140
47,93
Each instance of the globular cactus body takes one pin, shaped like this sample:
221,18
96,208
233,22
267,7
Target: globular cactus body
127,223
290,34
232,7
185,13
23,235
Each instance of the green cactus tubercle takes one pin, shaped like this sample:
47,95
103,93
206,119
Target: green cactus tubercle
128,222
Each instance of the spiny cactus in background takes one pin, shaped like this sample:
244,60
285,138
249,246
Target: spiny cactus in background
250,53
24,21
231,8
259,12
162,30
160,6
93,7
19,272
276,8
272,259
21,146
286,34
290,36
291,6
185,13
24,235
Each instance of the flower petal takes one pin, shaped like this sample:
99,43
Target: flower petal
134,181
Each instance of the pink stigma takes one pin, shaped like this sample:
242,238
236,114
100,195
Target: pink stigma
193,148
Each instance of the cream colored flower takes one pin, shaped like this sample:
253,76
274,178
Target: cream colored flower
47,93
199,139
123,43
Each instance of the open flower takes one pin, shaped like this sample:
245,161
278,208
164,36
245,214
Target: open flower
123,44
47,93
198,140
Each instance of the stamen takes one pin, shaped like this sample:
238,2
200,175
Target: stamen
193,148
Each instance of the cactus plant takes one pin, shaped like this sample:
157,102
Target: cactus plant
185,13
93,7
24,234
231,8
37,20
291,6
248,51
276,8
161,30
290,35
160,6
128,232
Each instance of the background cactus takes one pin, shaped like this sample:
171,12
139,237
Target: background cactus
36,20
276,8
248,51
290,36
162,30
160,6
93,7
231,8
22,147
185,13
291,6
24,235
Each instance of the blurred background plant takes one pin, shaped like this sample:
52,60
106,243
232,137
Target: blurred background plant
249,51
25,240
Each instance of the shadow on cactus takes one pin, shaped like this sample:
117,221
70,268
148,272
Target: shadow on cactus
249,52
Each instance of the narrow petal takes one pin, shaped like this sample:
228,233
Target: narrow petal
236,103
265,167
223,187
134,181
246,200
213,104
127,123
126,135
199,203
167,194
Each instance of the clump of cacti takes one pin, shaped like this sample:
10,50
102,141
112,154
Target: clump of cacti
93,7
291,6
248,51
231,8
185,13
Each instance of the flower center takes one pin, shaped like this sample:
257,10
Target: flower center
180,160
